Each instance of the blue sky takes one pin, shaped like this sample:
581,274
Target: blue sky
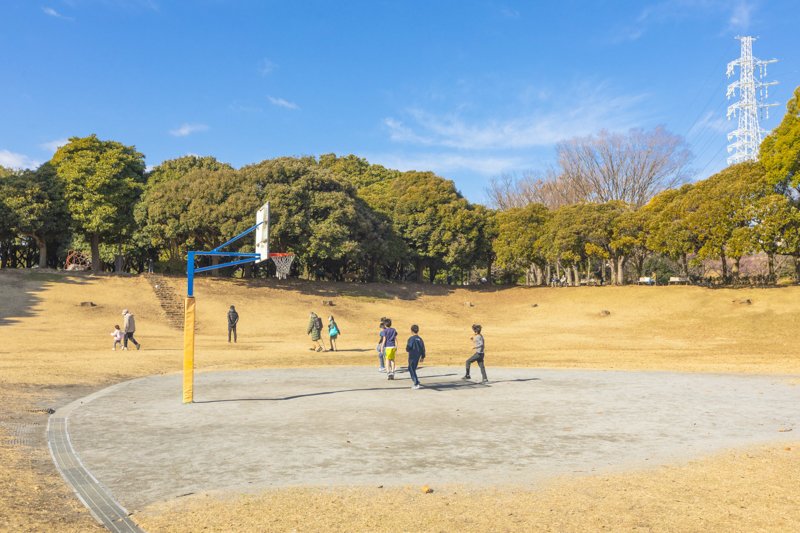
470,89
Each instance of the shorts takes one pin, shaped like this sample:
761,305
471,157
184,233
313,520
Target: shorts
390,353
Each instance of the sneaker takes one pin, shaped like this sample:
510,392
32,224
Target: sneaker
391,375
382,370
485,382
125,348
466,378
114,349
417,386
139,346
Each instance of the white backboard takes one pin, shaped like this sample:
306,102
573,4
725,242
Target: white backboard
262,232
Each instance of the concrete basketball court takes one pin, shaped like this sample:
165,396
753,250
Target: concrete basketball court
253,430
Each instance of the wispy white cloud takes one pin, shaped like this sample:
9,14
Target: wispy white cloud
741,15
239,107
266,66
52,146
280,102
10,159
187,129
446,162
573,115
49,11
509,12
709,121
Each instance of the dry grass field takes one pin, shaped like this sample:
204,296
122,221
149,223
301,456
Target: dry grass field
53,350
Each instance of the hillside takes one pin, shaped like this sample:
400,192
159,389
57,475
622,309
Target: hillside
49,338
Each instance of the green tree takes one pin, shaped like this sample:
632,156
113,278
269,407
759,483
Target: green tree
178,168
666,227
438,226
780,150
36,199
102,182
774,222
719,213
518,230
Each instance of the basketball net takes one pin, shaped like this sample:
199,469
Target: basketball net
283,263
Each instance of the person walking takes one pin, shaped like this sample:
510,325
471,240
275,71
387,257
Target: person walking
379,348
315,330
129,327
333,332
233,319
390,347
416,353
477,357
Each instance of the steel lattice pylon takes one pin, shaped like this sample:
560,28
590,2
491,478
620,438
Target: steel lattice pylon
752,93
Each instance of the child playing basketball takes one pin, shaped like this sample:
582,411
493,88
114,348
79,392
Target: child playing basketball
389,347
477,357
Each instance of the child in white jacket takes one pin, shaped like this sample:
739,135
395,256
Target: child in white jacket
118,336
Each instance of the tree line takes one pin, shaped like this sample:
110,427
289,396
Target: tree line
616,208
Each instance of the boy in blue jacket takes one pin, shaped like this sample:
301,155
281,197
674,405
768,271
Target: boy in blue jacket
416,353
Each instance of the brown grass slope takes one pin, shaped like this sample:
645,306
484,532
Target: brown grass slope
53,350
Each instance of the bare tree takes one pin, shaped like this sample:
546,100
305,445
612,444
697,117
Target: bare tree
506,191
631,167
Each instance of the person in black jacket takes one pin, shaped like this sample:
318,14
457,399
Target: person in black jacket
416,353
233,319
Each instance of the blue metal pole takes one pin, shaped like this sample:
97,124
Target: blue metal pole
190,275
223,265
242,234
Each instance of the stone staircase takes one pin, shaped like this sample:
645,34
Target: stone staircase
171,303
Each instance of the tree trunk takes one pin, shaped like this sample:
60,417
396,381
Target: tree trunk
620,270
770,267
797,268
724,268
97,264
548,274
42,244
684,261
432,273
419,266
577,276
735,269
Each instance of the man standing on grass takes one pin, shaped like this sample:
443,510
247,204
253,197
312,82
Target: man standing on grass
416,353
129,327
233,319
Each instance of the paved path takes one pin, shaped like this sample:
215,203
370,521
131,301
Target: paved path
252,430
89,490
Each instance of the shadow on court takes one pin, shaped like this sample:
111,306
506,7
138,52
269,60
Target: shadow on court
435,386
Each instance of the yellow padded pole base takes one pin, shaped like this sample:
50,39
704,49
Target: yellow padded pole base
188,350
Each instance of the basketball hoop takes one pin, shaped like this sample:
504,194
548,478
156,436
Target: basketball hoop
283,263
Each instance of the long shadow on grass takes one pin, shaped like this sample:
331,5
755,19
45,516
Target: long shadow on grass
20,291
401,290
439,387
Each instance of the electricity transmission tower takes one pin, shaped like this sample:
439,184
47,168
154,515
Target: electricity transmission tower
752,94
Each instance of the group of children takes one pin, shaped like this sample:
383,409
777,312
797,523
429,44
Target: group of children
415,347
